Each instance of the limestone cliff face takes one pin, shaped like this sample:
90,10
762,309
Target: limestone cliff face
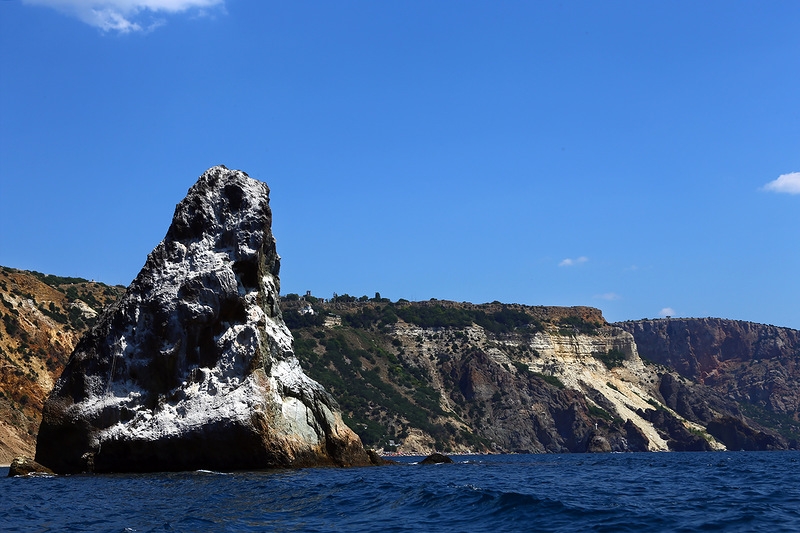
754,363
613,399
193,367
507,378
688,416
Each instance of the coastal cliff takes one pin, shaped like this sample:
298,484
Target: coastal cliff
414,377
418,376
193,367
756,365
201,364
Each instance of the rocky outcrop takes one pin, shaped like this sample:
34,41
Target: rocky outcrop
436,459
737,435
194,368
721,416
25,466
598,444
519,412
635,438
675,432
693,401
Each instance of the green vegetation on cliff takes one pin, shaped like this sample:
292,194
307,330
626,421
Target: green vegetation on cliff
381,397
410,372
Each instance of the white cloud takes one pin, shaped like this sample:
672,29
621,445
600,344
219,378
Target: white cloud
572,262
610,296
124,16
786,183
667,311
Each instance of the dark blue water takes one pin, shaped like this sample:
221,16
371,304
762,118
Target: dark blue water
742,491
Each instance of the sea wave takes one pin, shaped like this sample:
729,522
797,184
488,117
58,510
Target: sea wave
630,492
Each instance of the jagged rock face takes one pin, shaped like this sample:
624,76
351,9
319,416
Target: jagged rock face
528,416
193,367
720,415
679,438
755,363
736,435
694,401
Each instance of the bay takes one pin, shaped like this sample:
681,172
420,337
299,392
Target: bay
713,491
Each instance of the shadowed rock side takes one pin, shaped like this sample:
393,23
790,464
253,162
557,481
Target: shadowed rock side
436,459
193,367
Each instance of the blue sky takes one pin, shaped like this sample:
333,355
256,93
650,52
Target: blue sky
639,157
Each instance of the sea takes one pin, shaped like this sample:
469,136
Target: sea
711,491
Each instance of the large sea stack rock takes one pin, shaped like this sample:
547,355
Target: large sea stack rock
193,368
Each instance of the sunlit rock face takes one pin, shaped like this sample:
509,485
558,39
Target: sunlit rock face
193,368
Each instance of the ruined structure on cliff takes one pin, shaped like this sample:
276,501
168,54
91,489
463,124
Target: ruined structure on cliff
193,368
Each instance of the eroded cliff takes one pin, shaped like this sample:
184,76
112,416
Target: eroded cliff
508,378
756,365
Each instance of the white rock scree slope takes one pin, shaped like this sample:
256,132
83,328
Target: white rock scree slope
193,368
